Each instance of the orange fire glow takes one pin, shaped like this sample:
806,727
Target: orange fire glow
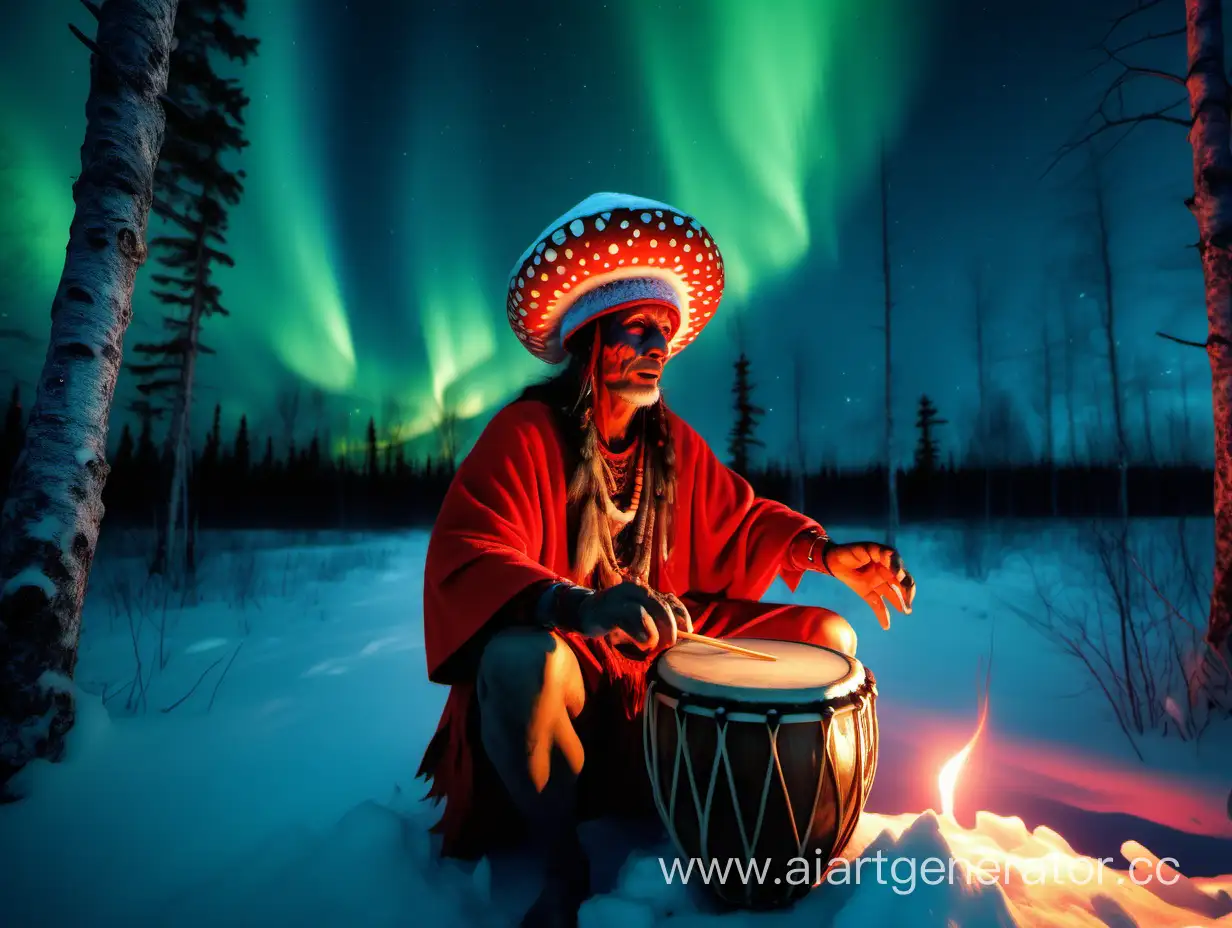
947,780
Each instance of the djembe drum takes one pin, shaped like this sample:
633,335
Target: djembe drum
760,763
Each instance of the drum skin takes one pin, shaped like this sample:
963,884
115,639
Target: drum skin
781,786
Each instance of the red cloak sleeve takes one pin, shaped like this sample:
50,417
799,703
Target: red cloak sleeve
496,533
738,543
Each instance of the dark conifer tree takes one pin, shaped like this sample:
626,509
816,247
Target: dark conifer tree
14,431
373,467
194,191
213,441
243,452
125,452
743,431
926,448
147,452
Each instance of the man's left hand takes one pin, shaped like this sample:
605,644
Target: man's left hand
875,572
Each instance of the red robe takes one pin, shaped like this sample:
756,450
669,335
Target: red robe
502,531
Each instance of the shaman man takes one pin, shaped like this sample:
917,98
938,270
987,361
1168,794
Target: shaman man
588,525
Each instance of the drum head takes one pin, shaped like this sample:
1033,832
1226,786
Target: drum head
803,672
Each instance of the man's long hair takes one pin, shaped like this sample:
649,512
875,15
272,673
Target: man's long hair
571,396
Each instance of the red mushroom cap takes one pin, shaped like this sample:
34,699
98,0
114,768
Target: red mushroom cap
609,252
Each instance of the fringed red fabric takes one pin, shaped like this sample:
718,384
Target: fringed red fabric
502,529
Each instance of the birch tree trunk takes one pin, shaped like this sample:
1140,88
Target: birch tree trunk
891,463
1210,136
1050,452
173,555
983,426
1107,284
49,528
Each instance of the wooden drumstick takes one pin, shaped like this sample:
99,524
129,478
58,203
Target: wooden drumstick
723,645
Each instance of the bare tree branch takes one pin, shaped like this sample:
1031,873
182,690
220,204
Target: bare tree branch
1140,7
1185,341
1151,37
1160,115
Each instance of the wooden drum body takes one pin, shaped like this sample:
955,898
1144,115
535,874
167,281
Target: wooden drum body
762,764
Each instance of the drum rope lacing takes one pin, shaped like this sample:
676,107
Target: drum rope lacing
854,799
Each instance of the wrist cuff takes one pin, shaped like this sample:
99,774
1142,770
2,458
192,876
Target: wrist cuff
560,604
819,546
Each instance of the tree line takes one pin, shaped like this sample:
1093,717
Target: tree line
240,481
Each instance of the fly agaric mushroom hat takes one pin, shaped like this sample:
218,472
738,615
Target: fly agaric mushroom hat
609,252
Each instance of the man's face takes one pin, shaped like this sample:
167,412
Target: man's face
635,349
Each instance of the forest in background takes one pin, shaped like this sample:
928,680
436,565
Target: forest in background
251,481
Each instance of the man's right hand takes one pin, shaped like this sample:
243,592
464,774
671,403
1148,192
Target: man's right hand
631,613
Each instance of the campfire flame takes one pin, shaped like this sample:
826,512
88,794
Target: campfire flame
947,780
1044,881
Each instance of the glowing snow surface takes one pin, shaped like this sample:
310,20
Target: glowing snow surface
262,772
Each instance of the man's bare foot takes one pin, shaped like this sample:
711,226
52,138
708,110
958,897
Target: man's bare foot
566,885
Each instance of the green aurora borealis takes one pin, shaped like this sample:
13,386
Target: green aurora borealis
400,161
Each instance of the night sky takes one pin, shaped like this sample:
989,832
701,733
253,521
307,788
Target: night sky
404,154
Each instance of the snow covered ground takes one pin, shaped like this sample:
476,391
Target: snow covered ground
261,771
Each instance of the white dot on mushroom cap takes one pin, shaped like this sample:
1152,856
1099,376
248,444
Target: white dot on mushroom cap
606,265
539,248
706,242
573,277
710,287
637,233
689,234
698,256
612,249
543,276
559,236
550,254
521,283
521,311
629,242
568,252
687,246
678,267
577,227
645,217
662,260
582,261
538,260
535,294
534,305
672,243
663,225
624,223
634,261
600,224
560,268
557,294
679,220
